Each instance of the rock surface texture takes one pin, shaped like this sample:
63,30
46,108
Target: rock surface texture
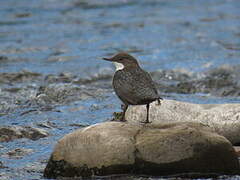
221,118
119,148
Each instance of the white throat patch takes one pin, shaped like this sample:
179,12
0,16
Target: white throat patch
119,66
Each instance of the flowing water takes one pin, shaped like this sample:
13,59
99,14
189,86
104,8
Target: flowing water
52,76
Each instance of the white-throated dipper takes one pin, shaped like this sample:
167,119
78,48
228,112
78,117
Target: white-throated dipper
133,85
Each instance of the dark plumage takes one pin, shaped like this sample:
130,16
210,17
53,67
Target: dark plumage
133,85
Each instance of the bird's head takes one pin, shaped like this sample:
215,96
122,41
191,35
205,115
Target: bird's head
123,60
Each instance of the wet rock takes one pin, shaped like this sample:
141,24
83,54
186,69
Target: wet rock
229,46
101,4
1,165
3,58
185,88
34,167
221,118
59,93
78,125
172,75
47,124
29,95
12,98
104,74
23,15
18,153
9,133
18,77
174,81
118,148
220,81
63,77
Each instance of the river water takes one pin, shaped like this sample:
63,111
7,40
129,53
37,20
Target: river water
52,76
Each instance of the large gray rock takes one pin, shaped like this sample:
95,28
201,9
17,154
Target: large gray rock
116,148
222,118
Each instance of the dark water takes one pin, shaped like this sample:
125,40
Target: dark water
58,45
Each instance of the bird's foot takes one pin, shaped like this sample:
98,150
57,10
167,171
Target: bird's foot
118,116
123,120
146,122
159,101
123,106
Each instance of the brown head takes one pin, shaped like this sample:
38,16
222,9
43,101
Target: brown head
123,60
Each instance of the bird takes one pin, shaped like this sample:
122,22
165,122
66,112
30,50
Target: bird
132,84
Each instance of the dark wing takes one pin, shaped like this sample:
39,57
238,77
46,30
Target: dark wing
134,86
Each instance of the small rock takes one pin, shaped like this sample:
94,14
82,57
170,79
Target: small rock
78,125
1,165
61,78
18,153
9,133
124,148
48,124
3,58
23,15
74,109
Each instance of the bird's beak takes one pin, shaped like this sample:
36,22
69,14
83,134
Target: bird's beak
107,59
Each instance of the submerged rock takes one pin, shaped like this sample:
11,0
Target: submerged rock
119,148
9,133
221,118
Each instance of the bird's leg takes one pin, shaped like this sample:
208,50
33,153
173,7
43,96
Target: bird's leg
148,105
147,120
125,106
